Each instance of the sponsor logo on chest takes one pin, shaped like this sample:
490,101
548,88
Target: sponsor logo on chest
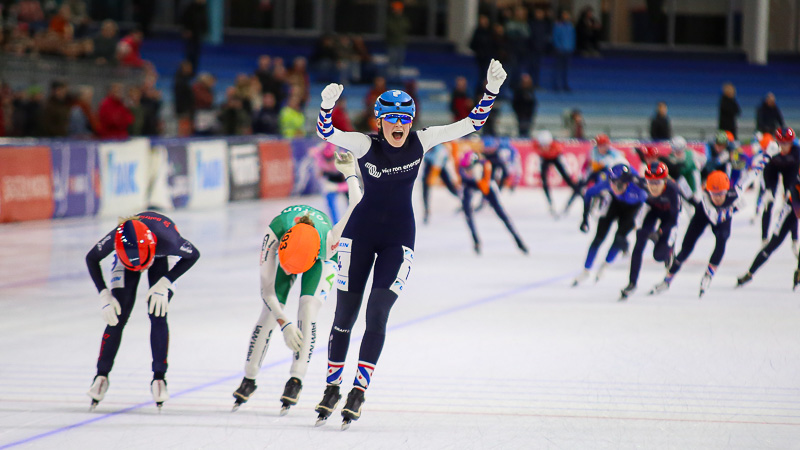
376,172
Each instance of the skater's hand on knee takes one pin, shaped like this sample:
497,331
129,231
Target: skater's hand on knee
292,336
330,94
158,296
109,306
584,226
345,163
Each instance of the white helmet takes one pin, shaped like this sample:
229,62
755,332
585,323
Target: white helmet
544,138
678,143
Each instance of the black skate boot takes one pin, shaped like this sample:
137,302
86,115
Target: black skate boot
244,392
744,279
796,279
329,401
290,394
627,291
352,408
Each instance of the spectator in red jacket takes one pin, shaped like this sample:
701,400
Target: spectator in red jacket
339,118
114,116
129,50
460,102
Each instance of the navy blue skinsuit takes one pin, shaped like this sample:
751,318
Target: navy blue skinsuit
382,230
664,209
786,166
124,283
720,222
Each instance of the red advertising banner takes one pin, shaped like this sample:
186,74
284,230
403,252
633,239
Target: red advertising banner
26,184
277,168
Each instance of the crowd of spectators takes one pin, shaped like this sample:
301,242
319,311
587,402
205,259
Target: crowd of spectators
28,28
521,37
67,111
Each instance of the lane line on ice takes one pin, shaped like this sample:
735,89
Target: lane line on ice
434,315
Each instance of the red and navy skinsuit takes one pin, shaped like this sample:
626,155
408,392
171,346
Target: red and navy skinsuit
124,282
664,209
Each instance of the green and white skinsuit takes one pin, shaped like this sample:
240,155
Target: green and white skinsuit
315,284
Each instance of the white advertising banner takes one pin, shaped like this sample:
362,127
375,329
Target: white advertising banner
124,177
208,173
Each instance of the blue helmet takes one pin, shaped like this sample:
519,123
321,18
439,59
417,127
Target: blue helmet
395,101
620,173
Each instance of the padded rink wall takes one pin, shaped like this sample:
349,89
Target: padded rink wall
52,179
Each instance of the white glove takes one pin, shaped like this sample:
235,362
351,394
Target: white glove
330,94
292,336
495,77
109,307
768,197
159,297
345,163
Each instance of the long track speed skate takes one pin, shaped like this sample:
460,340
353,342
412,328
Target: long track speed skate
352,408
290,394
98,391
243,393
329,401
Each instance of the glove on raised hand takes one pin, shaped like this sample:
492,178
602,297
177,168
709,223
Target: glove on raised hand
495,77
330,94
345,163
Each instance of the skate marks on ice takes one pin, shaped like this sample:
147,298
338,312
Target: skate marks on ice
225,379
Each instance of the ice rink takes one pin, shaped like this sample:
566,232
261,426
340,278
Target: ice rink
490,351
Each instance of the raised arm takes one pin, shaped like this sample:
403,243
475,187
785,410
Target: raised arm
432,136
347,165
357,143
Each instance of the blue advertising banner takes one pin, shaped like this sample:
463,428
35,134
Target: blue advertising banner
178,175
76,179
306,181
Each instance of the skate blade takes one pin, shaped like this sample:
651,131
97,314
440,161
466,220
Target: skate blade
236,407
346,424
159,405
284,410
93,405
321,421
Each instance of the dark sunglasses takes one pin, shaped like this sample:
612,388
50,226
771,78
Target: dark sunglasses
393,118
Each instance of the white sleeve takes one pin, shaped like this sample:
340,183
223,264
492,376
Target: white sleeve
354,195
357,143
268,267
432,136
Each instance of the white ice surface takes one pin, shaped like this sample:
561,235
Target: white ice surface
495,351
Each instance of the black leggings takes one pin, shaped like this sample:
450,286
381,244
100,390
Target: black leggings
545,170
788,222
696,227
625,216
159,330
661,250
470,187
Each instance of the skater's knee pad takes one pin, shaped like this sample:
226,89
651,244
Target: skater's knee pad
347,306
378,307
